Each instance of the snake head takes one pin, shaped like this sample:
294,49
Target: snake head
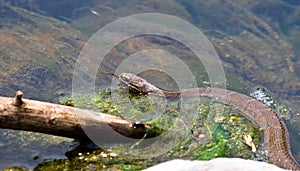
137,83
134,82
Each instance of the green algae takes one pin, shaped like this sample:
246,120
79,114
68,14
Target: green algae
214,130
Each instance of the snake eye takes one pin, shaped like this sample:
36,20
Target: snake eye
138,125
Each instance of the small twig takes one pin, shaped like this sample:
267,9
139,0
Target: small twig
18,99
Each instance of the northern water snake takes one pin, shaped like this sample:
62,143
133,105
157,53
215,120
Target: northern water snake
275,133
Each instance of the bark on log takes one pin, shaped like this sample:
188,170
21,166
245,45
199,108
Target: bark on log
30,115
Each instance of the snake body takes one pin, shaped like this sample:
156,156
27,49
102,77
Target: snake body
275,133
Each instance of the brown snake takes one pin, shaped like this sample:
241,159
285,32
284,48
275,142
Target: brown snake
276,137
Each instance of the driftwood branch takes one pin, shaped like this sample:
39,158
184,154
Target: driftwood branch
30,115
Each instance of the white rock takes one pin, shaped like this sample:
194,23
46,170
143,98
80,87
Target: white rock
218,164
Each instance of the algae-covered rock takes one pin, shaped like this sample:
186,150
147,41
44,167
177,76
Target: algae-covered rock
204,130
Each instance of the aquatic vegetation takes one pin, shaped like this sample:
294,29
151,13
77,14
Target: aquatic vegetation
215,130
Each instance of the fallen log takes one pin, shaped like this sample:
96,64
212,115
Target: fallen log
30,115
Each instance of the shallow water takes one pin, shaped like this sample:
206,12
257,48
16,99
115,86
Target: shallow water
256,41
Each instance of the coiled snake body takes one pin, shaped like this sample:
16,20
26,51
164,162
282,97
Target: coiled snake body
276,137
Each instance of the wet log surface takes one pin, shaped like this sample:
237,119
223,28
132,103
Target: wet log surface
30,115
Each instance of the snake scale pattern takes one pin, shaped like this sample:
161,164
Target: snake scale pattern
275,133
